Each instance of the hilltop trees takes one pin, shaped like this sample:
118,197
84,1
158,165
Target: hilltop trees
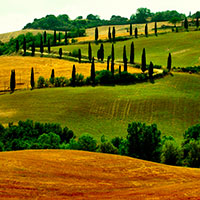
93,72
96,34
12,81
89,52
24,46
131,29
17,46
32,79
143,61
169,62
146,30
132,53
136,32
142,14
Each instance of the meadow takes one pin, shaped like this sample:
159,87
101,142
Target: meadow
64,174
184,47
173,103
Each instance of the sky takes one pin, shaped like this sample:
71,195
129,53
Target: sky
15,14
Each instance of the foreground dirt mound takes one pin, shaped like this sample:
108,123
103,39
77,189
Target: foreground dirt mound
63,174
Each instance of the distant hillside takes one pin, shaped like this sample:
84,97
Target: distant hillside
64,174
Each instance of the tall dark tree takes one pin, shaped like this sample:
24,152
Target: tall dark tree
113,34
186,24
146,30
17,46
79,55
108,62
32,79
52,74
197,22
125,59
119,69
143,61
131,30
66,42
33,49
60,52
41,46
132,53
49,45
93,72
59,37
96,34
155,28
99,54
112,67
151,70
12,81
89,52
73,79
54,38
45,37
109,34
169,62
113,53
24,46
102,52
136,32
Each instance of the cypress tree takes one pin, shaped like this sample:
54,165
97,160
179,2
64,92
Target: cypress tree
33,49
151,70
186,24
17,46
41,46
12,81
113,53
109,34
119,69
89,52
79,56
143,61
102,52
32,79
49,45
73,79
108,61
52,74
112,67
45,37
131,30
96,34
125,59
60,52
113,34
99,54
146,30
169,62
136,32
132,53
197,22
156,29
59,37
54,38
93,72
24,46
66,38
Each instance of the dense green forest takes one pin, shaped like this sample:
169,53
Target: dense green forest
142,15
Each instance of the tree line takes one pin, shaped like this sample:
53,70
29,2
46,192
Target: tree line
142,141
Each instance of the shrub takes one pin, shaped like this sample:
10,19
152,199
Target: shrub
107,147
104,77
41,83
125,78
79,80
1,146
73,144
75,53
61,82
116,141
87,142
144,141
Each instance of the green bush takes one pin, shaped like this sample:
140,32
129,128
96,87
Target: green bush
107,147
144,141
116,141
104,77
73,144
87,143
61,82
41,83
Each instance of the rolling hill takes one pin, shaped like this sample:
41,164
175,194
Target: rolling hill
64,174
173,103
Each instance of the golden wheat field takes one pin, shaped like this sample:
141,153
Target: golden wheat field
65,174
42,67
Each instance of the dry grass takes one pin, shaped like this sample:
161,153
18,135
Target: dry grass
42,67
64,174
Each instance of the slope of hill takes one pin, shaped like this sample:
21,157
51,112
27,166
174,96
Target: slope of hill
173,103
59,174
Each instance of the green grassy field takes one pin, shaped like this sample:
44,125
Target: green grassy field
184,47
173,103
